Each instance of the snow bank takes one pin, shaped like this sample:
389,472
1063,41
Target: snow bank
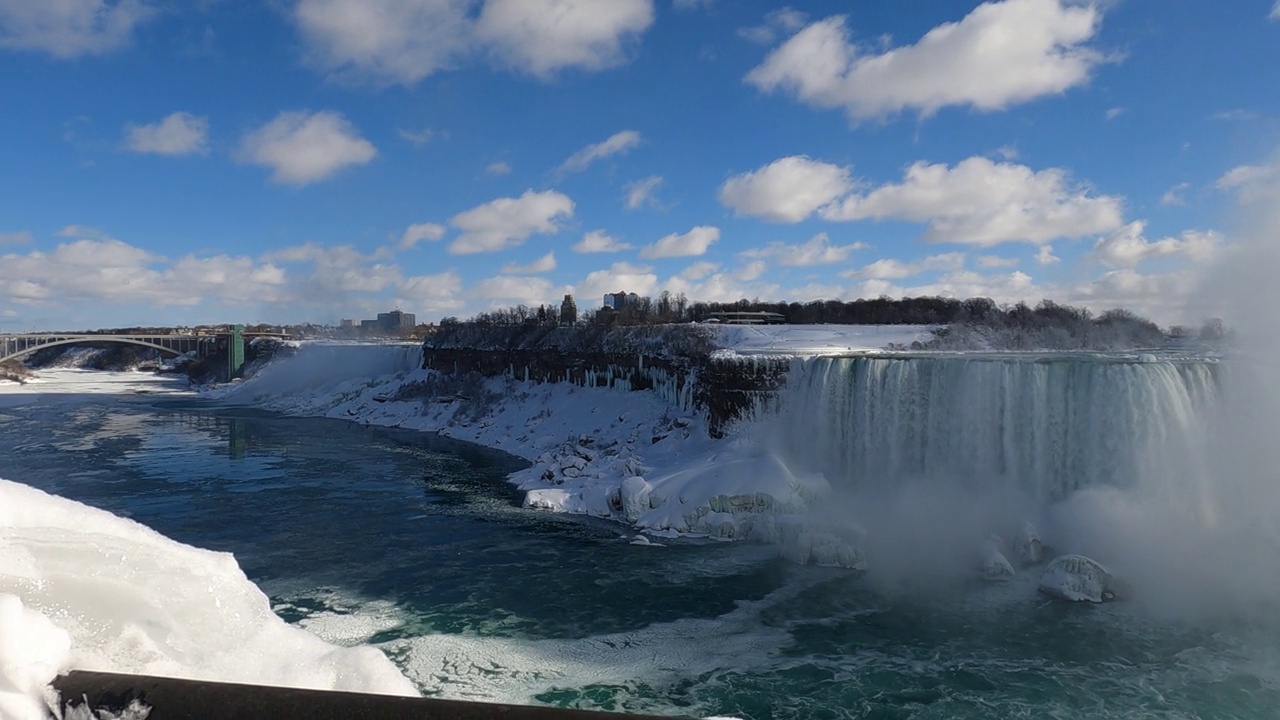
81,588
816,339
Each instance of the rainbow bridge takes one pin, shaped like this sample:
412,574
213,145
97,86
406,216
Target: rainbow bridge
15,346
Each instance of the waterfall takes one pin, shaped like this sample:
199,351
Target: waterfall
1042,426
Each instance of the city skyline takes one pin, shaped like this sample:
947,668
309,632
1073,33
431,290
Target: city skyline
309,160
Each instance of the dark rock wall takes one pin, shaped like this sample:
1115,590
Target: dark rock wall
724,389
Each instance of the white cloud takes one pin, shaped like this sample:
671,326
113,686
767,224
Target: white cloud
507,289
498,168
1275,11
336,270
750,271
384,41
419,232
691,244
419,138
404,41
619,277
783,21
178,134
786,190
992,262
431,293
1252,183
21,237
691,4
890,268
597,241
698,270
541,37
817,250
305,147
507,222
619,142
71,28
1000,54
1115,112
546,263
1234,115
1045,256
1127,246
981,202
641,191
1176,195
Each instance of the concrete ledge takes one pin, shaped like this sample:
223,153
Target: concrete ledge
174,699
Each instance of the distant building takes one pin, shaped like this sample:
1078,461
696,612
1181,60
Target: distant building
620,300
746,318
568,311
346,324
395,321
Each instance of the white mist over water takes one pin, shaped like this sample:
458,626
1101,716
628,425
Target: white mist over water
1155,468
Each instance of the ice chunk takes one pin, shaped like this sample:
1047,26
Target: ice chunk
1027,546
1079,579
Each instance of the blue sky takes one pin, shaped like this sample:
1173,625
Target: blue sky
306,160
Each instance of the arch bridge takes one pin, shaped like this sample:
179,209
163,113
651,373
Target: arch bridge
15,346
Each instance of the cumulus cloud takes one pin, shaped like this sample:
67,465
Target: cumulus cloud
783,21
431,293
21,237
690,244
71,28
404,41
618,277
1127,247
507,289
306,147
1000,54
546,263
817,250
1045,256
541,37
419,232
384,41
1252,182
93,267
890,268
789,189
418,138
617,143
507,222
178,134
640,192
597,241
1176,195
991,262
981,202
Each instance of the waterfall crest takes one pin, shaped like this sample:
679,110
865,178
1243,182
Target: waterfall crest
1043,427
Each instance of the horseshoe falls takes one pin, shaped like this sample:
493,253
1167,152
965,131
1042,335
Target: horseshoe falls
1041,427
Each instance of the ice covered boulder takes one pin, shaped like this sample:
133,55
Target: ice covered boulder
1027,547
1080,579
995,566
633,496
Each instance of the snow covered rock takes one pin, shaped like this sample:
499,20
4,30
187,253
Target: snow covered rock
1027,546
1080,579
634,498
995,566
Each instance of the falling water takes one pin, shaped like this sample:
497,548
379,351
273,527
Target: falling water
1041,426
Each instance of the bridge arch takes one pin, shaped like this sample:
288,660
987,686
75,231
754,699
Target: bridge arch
86,339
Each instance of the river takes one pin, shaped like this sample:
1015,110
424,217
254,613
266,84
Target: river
416,545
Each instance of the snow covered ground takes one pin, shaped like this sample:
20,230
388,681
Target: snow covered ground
816,339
